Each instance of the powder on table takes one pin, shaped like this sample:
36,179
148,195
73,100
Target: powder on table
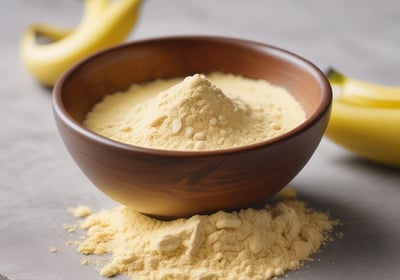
80,211
70,228
53,249
194,114
248,244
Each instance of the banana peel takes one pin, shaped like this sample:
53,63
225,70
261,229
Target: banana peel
365,119
363,93
105,23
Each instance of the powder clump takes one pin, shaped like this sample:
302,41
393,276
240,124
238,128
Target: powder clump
80,211
248,244
53,249
196,114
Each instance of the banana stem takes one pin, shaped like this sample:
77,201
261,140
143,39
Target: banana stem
48,34
334,76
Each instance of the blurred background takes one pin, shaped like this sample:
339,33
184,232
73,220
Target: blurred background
359,37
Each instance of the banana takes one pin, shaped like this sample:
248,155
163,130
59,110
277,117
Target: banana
51,33
363,93
105,23
365,119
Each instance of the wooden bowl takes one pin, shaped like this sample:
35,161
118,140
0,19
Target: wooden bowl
170,184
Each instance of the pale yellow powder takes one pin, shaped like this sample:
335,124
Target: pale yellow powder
197,113
70,228
248,244
73,243
287,193
80,211
53,249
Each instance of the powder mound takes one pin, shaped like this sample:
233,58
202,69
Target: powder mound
249,244
219,111
193,114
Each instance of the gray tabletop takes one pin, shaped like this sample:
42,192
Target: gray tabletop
39,180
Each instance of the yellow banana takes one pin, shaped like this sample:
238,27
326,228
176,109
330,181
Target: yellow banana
105,23
50,33
365,119
363,93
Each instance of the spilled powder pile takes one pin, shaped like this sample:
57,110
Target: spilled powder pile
249,244
194,114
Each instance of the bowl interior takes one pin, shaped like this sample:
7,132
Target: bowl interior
117,68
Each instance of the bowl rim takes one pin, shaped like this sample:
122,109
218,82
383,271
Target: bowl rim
61,112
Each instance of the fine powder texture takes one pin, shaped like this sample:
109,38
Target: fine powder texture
248,244
197,113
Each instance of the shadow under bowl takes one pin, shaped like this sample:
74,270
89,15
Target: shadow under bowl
171,184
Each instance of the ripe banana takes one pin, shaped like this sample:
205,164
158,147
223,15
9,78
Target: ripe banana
358,92
105,23
365,119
